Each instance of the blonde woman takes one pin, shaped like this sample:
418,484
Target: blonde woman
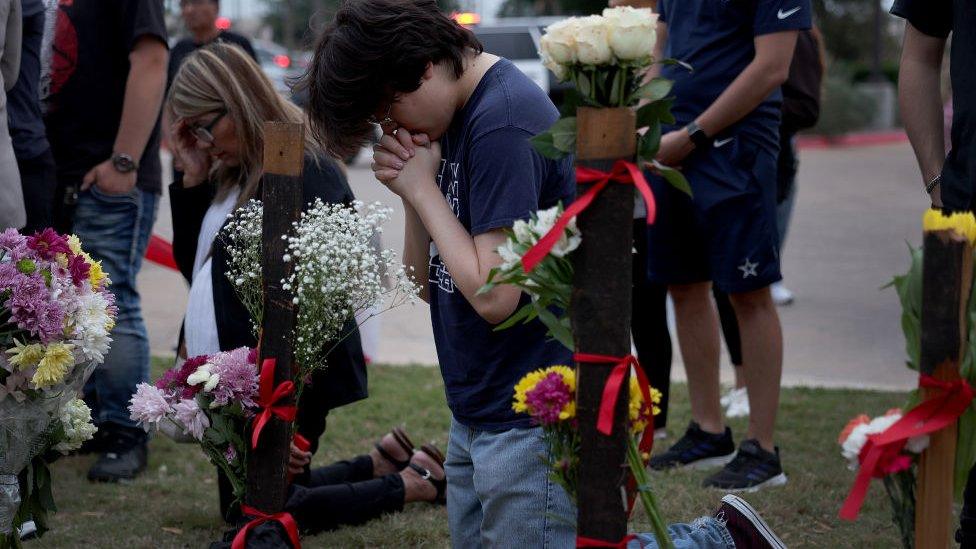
219,100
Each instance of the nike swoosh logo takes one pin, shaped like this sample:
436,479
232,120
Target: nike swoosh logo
784,14
722,142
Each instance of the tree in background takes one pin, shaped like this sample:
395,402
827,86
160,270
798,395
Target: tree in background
294,23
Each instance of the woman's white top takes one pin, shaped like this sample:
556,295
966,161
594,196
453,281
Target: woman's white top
200,323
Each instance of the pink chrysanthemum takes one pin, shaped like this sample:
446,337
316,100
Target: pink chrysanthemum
189,414
148,405
238,378
547,400
13,242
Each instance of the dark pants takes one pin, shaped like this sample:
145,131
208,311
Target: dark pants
344,493
38,178
649,324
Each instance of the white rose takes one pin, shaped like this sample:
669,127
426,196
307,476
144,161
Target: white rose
592,41
561,71
559,42
632,32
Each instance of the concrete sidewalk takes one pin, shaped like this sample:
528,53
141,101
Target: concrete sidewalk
855,211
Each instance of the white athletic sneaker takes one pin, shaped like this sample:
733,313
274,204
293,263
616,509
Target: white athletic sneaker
738,403
781,295
660,434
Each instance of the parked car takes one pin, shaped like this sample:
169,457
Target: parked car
277,63
518,41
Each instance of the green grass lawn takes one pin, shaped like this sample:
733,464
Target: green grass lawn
174,504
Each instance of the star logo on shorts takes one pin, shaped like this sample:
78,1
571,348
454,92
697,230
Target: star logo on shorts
748,269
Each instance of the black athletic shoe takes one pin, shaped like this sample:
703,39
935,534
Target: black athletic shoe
752,469
697,449
124,456
745,525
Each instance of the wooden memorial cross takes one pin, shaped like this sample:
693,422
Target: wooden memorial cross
946,281
284,152
600,315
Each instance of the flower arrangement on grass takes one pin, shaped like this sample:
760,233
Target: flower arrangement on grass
899,470
56,314
207,398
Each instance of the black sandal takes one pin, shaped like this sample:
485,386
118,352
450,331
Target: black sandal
439,483
404,441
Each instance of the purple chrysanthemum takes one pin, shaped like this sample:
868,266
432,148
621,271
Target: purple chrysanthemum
148,405
238,378
31,308
548,398
48,243
13,241
189,414
230,454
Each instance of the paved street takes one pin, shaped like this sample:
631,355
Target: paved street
855,212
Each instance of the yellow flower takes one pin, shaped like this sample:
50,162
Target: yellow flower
637,408
962,223
62,260
74,243
95,274
58,358
26,356
526,384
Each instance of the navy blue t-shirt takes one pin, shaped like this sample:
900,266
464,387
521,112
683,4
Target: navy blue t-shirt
491,177
716,37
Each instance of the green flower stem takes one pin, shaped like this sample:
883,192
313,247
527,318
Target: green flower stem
647,496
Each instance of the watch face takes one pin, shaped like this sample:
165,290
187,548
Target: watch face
123,163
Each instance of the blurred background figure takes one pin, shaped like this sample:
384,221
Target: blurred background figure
33,152
106,85
12,212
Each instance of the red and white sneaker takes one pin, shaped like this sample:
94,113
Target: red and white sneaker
747,528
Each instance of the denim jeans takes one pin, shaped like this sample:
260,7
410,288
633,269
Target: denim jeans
499,493
704,533
115,230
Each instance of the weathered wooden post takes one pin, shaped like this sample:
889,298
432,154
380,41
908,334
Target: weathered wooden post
946,282
282,196
600,315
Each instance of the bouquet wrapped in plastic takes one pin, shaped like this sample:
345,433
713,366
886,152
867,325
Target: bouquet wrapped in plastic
56,314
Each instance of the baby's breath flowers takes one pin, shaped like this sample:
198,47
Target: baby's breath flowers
338,270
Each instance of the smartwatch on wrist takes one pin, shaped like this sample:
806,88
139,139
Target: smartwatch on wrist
124,163
698,136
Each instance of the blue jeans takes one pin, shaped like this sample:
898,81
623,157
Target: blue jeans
499,493
704,533
115,230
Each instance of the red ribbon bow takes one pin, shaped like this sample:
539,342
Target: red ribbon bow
611,390
286,520
268,397
623,172
582,541
881,450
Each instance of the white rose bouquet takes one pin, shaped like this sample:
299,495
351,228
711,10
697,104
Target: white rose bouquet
605,57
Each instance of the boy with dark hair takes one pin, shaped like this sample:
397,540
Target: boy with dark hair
457,124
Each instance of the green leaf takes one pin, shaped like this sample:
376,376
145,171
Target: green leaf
674,177
649,143
656,89
559,329
682,64
526,313
966,453
583,84
658,111
564,134
543,144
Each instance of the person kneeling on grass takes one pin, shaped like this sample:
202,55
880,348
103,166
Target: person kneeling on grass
365,487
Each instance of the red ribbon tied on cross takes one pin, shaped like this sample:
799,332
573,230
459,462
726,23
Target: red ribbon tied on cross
583,541
268,398
611,391
882,449
286,520
623,172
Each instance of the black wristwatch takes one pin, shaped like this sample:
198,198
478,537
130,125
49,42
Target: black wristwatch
698,136
124,163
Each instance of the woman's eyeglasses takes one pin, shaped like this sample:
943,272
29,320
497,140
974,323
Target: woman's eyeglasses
205,133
